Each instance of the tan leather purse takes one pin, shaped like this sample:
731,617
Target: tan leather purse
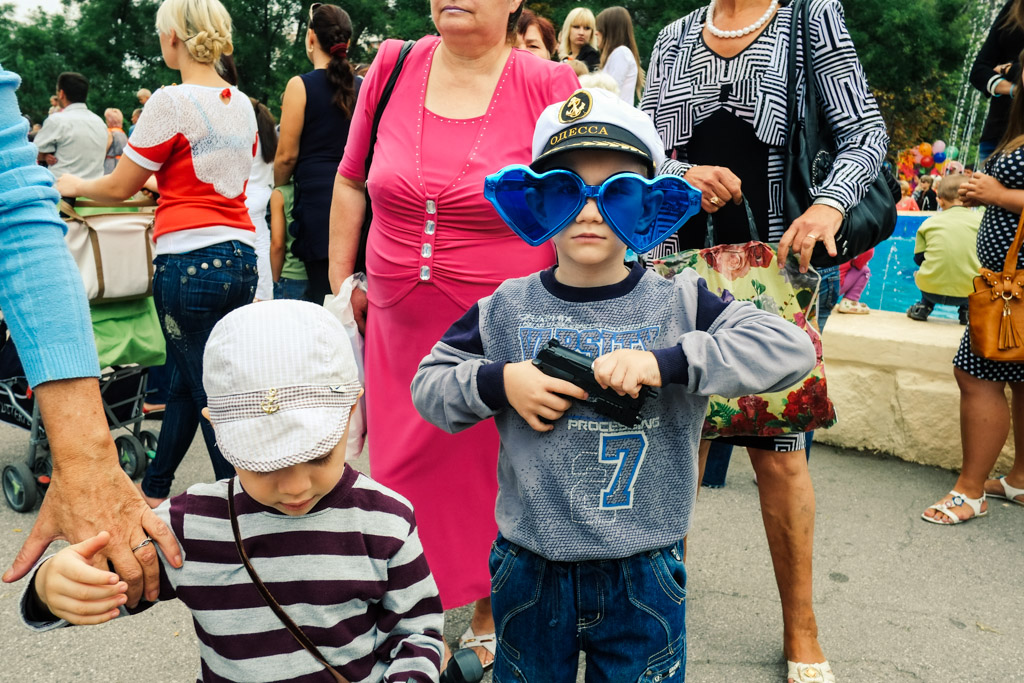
996,309
113,250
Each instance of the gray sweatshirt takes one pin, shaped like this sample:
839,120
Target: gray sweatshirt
593,488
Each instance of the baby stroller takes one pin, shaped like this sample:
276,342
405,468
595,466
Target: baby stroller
128,341
122,388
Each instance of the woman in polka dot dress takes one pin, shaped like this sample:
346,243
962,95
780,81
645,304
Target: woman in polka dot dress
984,413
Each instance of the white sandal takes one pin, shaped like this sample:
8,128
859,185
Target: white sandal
487,641
1010,493
957,500
810,673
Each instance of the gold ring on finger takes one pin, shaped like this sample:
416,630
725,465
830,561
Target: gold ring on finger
715,201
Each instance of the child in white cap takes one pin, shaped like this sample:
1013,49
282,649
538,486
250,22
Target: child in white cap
339,553
592,512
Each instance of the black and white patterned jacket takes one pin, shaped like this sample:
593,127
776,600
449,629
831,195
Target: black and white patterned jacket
846,100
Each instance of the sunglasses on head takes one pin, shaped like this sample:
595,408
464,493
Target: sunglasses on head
641,212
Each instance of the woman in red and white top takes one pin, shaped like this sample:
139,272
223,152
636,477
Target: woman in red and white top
198,139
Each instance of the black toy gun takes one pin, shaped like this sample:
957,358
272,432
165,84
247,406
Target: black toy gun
555,360
463,667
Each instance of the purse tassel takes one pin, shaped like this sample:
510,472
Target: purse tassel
1008,337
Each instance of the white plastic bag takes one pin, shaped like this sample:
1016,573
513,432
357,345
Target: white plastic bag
341,307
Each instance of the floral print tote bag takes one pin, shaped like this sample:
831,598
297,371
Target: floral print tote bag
750,272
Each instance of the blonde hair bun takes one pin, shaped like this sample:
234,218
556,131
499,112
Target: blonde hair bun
203,25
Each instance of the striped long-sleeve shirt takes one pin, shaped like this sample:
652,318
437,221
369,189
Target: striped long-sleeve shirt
351,573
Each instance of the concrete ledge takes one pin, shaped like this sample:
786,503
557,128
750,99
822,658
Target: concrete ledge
891,379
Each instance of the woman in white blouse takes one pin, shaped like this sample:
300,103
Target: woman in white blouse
619,57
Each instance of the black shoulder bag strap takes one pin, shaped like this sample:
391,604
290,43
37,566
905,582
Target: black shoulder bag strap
292,627
385,96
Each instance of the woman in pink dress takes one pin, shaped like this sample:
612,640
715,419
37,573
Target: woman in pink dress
464,106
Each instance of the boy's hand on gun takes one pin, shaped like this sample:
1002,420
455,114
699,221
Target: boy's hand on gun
536,396
626,371
72,589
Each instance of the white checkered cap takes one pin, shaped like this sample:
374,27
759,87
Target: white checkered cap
577,124
280,382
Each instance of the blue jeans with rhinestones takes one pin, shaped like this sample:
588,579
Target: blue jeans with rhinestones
627,615
192,292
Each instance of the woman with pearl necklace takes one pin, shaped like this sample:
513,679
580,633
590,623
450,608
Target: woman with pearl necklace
717,91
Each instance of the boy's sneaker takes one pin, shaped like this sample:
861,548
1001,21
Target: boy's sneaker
919,311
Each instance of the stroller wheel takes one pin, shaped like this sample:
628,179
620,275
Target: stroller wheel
131,454
149,439
20,487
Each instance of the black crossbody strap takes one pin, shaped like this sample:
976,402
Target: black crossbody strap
385,96
292,627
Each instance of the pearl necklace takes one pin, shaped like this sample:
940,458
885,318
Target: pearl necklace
719,33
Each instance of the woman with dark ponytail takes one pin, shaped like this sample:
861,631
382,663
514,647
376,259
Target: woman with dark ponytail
315,115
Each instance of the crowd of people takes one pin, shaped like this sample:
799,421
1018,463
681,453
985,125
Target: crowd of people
442,172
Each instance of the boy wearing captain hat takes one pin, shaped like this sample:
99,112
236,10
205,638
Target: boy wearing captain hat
592,512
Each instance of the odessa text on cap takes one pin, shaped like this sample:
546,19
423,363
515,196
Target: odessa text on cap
597,119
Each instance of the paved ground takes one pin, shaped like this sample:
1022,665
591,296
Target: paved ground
898,600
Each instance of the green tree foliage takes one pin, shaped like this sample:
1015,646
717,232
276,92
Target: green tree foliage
912,51
912,54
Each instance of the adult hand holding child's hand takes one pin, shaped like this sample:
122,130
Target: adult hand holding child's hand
627,371
535,395
74,590
984,190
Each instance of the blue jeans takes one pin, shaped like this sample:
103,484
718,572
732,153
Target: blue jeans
192,292
627,615
720,453
285,288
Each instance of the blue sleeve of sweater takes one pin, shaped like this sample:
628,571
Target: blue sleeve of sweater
41,291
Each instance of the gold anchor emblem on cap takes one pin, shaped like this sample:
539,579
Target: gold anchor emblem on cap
269,403
576,107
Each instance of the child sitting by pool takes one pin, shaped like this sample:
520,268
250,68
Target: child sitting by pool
946,250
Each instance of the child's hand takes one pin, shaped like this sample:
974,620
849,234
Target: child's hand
627,370
72,589
535,395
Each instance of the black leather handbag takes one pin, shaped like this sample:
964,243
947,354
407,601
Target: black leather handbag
810,154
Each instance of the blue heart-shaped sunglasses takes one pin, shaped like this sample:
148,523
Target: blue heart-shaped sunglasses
641,212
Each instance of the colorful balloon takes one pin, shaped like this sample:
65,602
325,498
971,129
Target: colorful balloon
927,161
938,147
925,149
915,153
952,152
939,157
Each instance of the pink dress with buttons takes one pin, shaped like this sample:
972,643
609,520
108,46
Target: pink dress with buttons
436,246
